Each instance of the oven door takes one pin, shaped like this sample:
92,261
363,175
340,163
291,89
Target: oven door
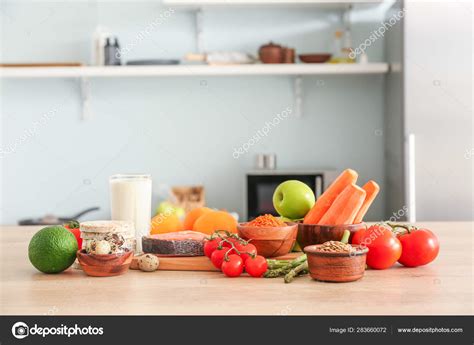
260,190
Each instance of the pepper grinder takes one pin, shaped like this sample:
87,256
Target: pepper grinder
112,52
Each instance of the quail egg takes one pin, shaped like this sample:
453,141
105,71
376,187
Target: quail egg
148,263
99,247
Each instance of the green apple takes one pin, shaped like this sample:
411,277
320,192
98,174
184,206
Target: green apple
168,208
179,211
293,199
296,247
288,220
165,207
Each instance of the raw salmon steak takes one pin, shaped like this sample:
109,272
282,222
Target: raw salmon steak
180,243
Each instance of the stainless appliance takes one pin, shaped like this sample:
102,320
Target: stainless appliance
260,185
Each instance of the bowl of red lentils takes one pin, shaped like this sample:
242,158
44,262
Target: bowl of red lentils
270,235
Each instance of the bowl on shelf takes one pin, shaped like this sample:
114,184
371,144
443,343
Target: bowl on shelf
104,265
270,241
336,267
309,234
314,58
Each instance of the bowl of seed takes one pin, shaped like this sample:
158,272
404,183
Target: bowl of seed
336,261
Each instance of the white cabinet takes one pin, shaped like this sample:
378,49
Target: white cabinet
438,109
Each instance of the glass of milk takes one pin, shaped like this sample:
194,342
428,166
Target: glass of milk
130,200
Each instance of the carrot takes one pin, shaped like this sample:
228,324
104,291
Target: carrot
325,201
344,209
371,189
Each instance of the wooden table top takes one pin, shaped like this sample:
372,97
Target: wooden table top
443,287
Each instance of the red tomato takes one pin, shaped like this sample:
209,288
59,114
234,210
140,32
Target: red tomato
256,266
419,247
77,234
233,240
384,248
210,246
217,256
233,266
74,227
246,250
358,236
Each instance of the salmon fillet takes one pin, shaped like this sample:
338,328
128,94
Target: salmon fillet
180,236
180,243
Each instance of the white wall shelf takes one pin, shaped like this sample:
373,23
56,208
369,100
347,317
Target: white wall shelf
87,72
192,4
192,70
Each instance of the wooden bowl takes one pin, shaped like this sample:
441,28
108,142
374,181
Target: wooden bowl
336,267
309,234
314,58
270,241
104,265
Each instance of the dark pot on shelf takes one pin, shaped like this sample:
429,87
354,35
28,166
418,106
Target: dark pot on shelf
271,53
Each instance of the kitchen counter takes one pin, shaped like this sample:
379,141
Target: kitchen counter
443,287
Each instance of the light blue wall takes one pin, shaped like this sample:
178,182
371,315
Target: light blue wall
181,130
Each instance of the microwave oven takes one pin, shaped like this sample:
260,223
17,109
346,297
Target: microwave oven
260,185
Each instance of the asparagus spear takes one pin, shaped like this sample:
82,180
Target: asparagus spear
274,264
294,272
303,272
345,236
277,270
299,260
276,273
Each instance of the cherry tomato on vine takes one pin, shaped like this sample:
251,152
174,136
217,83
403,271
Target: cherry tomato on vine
210,246
419,247
384,248
233,266
217,256
233,240
256,266
246,250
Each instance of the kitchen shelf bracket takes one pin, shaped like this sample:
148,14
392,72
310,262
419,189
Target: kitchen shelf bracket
199,18
85,98
298,96
346,16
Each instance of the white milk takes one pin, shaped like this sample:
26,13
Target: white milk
130,200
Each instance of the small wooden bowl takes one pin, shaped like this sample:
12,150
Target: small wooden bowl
336,267
314,58
104,265
309,234
270,241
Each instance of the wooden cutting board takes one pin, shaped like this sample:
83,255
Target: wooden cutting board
194,263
